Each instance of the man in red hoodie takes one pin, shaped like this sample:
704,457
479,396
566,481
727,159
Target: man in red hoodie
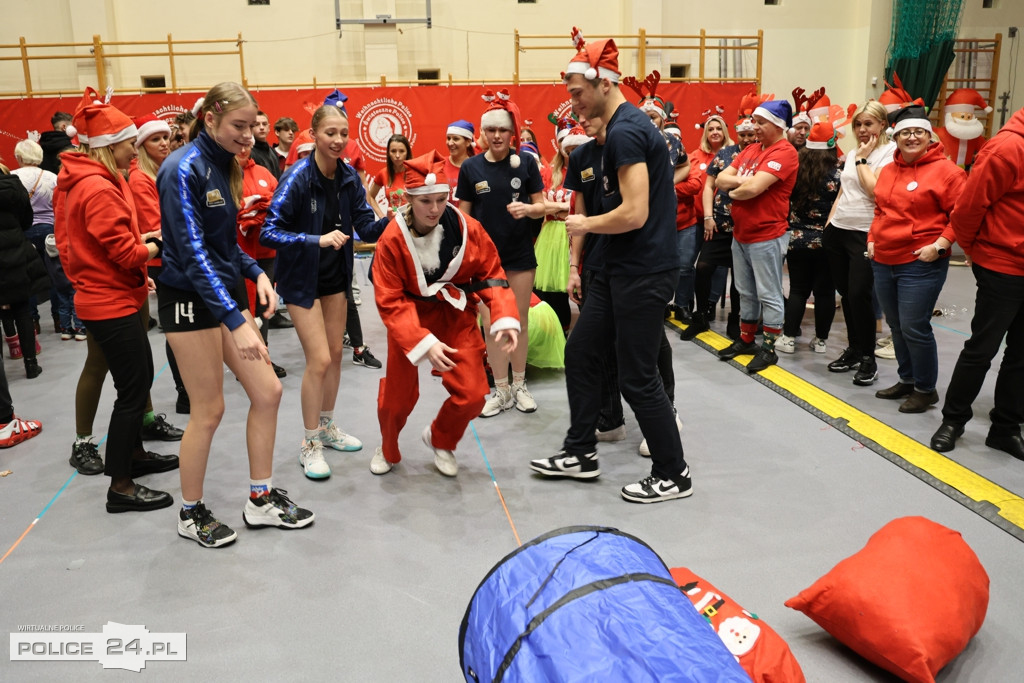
989,222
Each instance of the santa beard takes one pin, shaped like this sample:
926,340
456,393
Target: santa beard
964,130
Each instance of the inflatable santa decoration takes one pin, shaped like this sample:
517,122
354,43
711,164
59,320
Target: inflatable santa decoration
963,134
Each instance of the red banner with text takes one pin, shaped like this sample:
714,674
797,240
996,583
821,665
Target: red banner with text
421,113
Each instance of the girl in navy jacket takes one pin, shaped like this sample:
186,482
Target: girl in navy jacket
318,203
204,314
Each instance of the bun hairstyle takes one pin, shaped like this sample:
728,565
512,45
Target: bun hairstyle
221,99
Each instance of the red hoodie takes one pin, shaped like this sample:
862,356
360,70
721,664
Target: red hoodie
97,234
989,214
147,202
258,185
912,205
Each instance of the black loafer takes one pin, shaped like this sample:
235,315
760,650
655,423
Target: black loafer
738,348
140,500
1007,443
161,430
944,439
152,463
898,390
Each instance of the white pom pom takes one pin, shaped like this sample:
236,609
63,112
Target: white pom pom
33,135
514,161
71,131
431,179
197,106
590,74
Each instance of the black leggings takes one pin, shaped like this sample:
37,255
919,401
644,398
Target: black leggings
808,273
19,317
855,282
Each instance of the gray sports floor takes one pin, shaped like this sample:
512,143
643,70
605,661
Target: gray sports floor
375,590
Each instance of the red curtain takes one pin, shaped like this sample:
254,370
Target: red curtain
420,113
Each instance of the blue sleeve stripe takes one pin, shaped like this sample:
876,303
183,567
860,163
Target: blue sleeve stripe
195,239
271,233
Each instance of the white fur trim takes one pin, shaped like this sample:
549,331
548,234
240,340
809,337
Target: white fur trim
590,73
802,117
464,132
429,189
768,116
151,128
504,324
912,123
113,138
443,285
574,141
419,352
496,118
651,105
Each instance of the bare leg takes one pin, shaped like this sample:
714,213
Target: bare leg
521,282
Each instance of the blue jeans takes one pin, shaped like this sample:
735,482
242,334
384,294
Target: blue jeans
65,302
908,293
757,268
687,247
37,236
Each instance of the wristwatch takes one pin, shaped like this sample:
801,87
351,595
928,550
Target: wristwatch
860,161
941,250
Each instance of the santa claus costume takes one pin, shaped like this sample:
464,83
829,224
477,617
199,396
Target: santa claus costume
427,282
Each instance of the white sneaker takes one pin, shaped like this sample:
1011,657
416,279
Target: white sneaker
616,434
884,348
275,509
785,344
818,345
523,397
645,451
378,465
444,460
497,402
334,438
311,457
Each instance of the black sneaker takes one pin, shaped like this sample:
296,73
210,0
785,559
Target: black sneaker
365,358
279,371
848,360
275,509
85,457
564,465
279,321
654,489
737,348
199,524
867,372
161,430
346,341
764,358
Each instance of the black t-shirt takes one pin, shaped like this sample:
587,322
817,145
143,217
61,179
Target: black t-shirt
629,139
333,271
491,187
583,175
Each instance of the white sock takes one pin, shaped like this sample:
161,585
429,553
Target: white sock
311,434
518,378
325,417
259,487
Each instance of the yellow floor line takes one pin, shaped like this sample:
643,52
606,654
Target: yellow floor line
1010,506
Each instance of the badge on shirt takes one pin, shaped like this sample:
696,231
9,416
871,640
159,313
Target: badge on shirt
482,187
516,183
263,183
775,166
587,174
214,198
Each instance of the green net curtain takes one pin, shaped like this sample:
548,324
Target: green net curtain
921,44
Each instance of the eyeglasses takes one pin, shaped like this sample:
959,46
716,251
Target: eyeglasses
912,133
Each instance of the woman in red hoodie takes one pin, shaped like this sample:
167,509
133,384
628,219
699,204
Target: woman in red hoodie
105,258
909,243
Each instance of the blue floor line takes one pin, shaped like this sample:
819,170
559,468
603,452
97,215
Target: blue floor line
481,447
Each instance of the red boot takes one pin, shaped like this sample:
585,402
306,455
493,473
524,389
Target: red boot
13,346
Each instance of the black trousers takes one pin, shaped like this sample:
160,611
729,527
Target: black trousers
855,281
623,317
998,311
125,345
809,274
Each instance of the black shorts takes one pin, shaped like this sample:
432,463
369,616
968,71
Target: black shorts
182,310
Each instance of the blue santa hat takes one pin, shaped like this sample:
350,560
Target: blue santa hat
779,112
337,99
463,128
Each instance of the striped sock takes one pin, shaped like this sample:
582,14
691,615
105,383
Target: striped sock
259,487
187,505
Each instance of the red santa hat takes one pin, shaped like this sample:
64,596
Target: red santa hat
708,115
647,90
744,124
599,59
425,174
502,112
822,136
99,124
303,143
148,126
895,97
965,101
575,137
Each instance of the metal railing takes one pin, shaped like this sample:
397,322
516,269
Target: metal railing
975,65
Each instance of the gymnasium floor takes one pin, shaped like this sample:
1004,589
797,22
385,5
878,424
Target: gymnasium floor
375,590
